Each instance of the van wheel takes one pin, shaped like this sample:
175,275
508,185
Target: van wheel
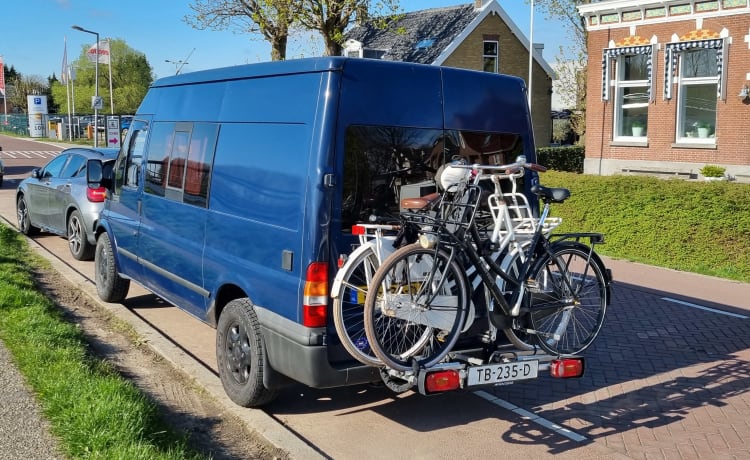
109,284
241,355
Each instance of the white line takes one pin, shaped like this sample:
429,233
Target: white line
532,417
700,307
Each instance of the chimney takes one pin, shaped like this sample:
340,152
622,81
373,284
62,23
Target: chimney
478,4
538,49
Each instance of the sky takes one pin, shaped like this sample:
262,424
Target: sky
36,32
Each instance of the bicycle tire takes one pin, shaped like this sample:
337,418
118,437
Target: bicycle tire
402,333
349,304
567,322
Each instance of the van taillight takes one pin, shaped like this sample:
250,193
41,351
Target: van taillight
96,194
315,301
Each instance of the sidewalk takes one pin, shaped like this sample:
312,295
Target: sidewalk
24,433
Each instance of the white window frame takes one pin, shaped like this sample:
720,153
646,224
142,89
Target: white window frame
495,56
621,132
685,82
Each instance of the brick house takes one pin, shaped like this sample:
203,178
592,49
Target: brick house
667,86
479,36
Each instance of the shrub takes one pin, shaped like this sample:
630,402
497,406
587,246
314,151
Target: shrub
567,158
712,171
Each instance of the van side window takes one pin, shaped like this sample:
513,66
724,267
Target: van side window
200,158
179,161
159,149
136,149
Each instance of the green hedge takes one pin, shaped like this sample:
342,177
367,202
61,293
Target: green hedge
696,226
567,158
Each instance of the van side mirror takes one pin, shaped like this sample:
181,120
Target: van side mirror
96,175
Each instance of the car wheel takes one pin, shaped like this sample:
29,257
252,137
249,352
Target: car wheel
78,239
24,221
241,355
110,286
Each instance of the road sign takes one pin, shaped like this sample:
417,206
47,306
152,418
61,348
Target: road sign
97,102
113,131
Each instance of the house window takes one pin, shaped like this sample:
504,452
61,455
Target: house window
697,90
491,56
632,89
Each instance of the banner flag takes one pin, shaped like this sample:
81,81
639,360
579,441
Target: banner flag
2,77
64,70
103,52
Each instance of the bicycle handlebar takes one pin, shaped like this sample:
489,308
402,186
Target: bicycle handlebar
512,168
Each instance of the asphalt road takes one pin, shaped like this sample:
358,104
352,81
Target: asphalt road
668,378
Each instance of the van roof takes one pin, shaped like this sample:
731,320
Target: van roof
291,66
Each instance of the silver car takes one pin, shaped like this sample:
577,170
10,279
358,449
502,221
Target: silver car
57,199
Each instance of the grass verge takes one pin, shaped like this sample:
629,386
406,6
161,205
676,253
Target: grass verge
693,226
92,410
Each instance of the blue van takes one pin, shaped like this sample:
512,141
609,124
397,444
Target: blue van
236,189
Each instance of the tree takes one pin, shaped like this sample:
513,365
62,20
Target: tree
270,18
276,19
131,77
566,11
19,86
331,17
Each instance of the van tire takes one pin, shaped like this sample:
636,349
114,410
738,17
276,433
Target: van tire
241,355
110,286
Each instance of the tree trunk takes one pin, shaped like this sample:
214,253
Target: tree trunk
333,48
278,48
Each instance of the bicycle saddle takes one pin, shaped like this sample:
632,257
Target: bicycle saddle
554,195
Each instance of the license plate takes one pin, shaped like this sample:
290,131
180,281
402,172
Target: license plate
502,373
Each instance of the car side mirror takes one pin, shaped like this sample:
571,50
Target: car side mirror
96,175
35,173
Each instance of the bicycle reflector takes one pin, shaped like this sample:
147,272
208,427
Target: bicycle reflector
565,368
445,380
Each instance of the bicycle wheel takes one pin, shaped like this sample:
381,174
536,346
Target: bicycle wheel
416,314
569,297
515,332
349,305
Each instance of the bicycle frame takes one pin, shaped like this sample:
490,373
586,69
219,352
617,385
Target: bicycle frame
504,236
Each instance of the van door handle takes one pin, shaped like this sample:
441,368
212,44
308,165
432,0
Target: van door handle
329,180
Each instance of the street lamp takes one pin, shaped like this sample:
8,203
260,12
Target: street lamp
177,65
96,84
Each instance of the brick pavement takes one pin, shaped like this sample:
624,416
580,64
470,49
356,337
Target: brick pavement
664,379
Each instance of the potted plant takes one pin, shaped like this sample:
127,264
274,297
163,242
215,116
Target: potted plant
637,127
713,172
703,128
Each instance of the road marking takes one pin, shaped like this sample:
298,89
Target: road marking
532,417
701,307
15,154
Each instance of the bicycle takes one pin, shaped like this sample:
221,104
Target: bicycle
355,272
556,296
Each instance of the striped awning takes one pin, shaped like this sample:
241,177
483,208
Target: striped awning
672,53
611,54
